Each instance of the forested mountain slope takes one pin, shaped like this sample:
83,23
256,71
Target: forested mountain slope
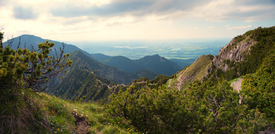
209,104
111,73
81,83
243,55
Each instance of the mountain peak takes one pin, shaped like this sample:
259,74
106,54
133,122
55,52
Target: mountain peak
28,36
151,56
156,55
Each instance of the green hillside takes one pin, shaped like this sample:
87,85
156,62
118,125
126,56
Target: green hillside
79,83
195,71
209,104
253,57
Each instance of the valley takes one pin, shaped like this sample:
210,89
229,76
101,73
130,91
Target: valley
137,67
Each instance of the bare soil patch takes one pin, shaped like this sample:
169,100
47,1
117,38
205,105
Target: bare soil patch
82,126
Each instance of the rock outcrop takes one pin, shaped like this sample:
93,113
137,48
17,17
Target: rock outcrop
235,52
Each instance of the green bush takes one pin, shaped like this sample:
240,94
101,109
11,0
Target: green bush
260,87
265,38
231,64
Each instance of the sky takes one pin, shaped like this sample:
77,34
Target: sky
115,20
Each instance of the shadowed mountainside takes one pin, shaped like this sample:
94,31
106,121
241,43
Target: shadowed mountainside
154,63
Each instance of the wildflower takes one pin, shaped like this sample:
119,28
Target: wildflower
58,128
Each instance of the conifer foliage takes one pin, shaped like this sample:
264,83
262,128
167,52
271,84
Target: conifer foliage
23,72
23,68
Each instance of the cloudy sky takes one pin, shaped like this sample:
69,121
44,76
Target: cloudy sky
107,20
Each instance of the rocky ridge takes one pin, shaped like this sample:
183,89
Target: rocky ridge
233,52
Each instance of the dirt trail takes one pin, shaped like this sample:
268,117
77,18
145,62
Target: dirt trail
138,82
170,80
180,79
81,124
237,86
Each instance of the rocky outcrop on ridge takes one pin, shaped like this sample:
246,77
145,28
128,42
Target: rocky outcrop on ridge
233,52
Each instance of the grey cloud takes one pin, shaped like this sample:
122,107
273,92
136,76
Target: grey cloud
24,13
168,7
2,3
255,2
133,7
256,14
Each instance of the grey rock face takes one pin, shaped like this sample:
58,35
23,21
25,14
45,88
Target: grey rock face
234,51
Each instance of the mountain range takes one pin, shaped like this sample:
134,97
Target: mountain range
82,61
32,41
148,66
154,63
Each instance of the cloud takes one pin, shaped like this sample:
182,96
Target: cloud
240,27
24,13
3,3
237,10
123,7
227,25
211,10
210,27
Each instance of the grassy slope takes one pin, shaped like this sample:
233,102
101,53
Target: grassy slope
59,115
198,69
195,71
79,83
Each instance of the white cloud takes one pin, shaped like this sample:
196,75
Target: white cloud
131,19
239,10
239,27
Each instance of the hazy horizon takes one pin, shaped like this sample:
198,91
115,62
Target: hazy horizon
116,20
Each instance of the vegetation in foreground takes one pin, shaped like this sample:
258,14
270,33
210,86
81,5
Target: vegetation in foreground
42,113
24,109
